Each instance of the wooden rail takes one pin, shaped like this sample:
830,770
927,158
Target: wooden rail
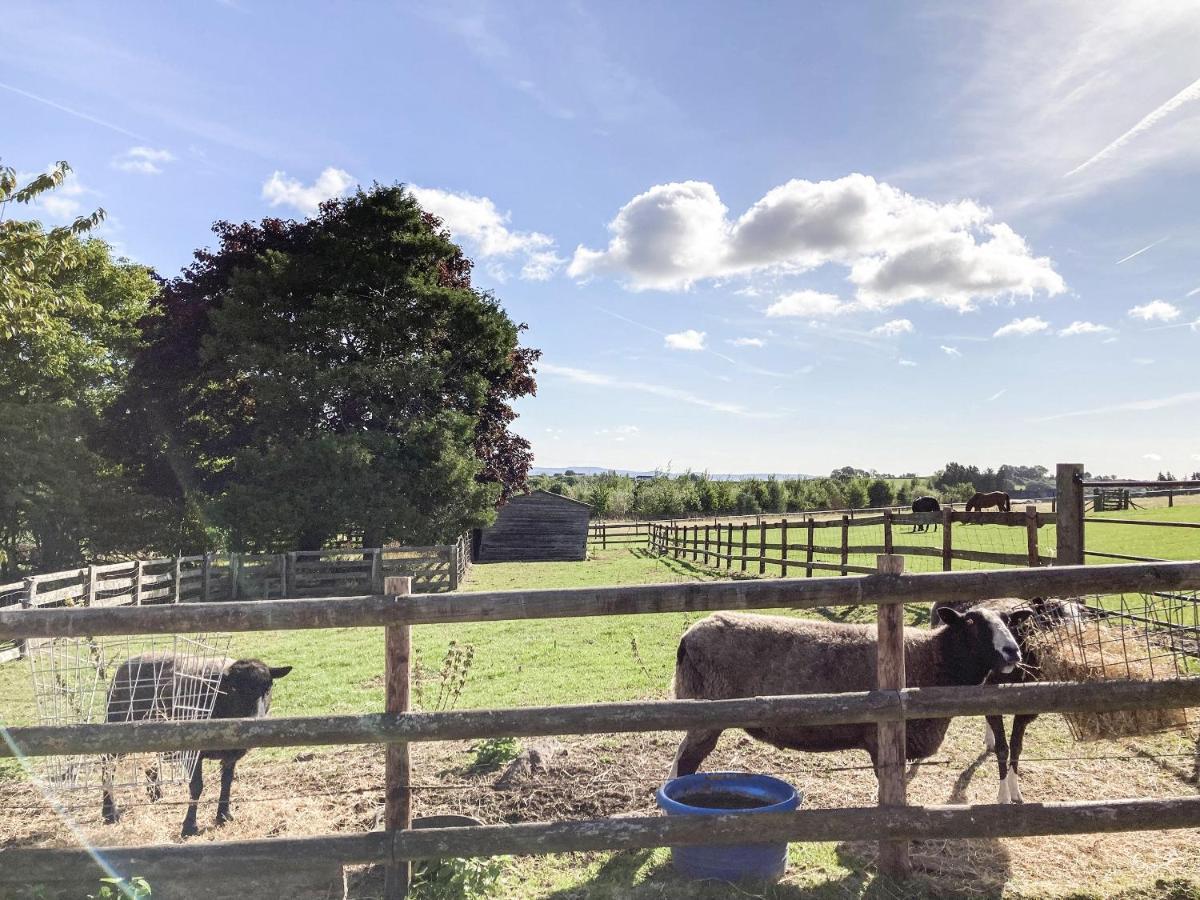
487,606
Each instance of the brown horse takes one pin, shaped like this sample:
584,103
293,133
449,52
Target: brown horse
982,501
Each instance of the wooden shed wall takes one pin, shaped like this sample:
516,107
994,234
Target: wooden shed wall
536,527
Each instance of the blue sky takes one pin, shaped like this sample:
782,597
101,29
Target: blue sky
770,237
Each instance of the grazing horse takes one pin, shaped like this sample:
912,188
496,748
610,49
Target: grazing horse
982,501
925,505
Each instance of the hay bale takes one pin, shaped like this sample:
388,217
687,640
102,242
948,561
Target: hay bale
1094,650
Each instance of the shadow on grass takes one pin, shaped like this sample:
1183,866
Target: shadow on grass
678,566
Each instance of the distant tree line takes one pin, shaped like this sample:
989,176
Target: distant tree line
695,494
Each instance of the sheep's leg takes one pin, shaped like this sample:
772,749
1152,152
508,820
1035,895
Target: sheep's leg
153,782
693,749
1020,723
108,807
195,788
996,723
223,813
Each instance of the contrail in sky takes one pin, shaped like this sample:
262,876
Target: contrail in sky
1188,94
1143,250
74,112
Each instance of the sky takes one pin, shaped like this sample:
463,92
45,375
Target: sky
765,237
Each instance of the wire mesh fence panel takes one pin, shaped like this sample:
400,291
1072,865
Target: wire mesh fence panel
91,680
1123,637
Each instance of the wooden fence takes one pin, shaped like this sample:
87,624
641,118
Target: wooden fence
890,706
239,576
799,541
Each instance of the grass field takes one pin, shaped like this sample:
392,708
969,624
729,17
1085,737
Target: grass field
631,657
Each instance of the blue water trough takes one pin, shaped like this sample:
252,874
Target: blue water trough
722,793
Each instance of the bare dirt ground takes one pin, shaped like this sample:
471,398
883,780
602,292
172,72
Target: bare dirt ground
305,793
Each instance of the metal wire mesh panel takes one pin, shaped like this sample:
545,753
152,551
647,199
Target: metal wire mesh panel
1125,637
91,680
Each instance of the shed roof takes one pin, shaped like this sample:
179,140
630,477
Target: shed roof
554,495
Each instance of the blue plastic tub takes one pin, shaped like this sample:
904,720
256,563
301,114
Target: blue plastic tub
721,793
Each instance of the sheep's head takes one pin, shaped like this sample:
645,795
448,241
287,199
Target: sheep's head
984,638
246,689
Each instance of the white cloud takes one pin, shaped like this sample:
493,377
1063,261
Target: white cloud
897,247
807,304
951,351
1155,311
279,190
598,379
1076,328
1193,292
1132,406
1154,457
61,205
477,221
894,328
1137,253
907,362
691,339
996,396
748,342
1142,361
143,160
1196,456
620,433
1022,327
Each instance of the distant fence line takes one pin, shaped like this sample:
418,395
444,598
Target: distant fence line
223,577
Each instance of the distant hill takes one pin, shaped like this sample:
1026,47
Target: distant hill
632,473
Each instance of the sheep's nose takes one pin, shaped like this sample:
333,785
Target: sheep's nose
1011,654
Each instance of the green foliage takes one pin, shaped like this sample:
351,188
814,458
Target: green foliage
450,680
457,879
333,376
135,888
856,494
492,753
880,493
32,258
59,488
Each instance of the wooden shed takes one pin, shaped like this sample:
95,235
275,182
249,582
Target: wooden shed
535,527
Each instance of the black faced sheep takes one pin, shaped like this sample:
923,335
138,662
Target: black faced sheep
925,505
730,655
1021,617
142,689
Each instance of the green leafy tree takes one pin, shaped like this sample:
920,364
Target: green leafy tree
60,493
335,375
856,494
880,493
32,258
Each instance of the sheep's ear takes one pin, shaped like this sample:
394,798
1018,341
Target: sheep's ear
278,672
950,616
1018,617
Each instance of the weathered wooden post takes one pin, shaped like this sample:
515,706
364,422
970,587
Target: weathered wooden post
398,764
845,543
178,577
893,855
762,546
89,596
137,583
1031,532
729,548
947,539
783,548
234,567
887,531
290,588
1069,551
206,577
812,528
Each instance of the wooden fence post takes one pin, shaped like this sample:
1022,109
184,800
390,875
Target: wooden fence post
887,532
398,764
762,546
707,538
1170,497
178,579
745,542
234,565
206,577
845,543
377,569
783,548
812,528
1031,531
893,855
137,583
947,540
291,587
1070,515
603,535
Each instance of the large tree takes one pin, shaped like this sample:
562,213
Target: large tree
61,498
332,376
